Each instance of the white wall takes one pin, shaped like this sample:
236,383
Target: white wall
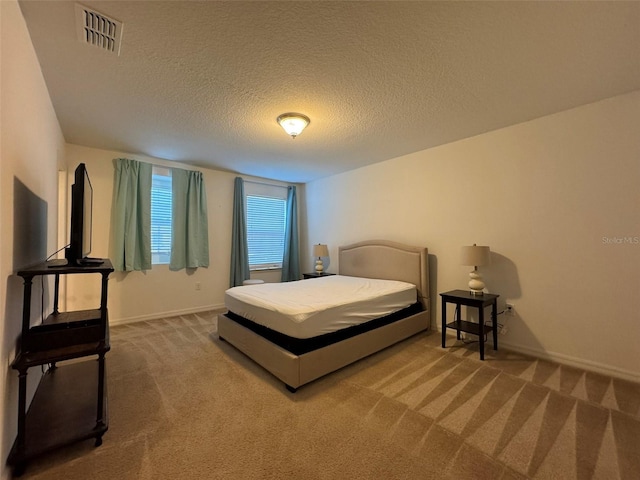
544,195
31,149
159,291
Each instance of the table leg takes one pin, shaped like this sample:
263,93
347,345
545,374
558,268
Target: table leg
481,332
444,322
458,320
494,318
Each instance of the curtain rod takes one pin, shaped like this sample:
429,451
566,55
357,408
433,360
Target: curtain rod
267,184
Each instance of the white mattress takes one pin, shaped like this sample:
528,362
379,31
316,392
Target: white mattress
307,308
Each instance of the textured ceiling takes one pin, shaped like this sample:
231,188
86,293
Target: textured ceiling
203,82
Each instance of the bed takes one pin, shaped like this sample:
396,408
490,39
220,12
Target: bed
299,359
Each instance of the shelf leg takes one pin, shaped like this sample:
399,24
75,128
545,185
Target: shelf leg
26,307
458,320
100,411
22,410
56,294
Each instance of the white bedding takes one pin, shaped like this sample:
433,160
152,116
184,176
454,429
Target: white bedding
307,308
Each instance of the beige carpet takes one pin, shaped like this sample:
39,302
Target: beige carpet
184,405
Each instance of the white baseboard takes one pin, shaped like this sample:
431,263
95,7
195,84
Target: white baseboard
563,359
573,361
173,313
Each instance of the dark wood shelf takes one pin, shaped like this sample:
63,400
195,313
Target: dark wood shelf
469,327
54,267
465,297
65,329
63,411
70,403
32,359
68,319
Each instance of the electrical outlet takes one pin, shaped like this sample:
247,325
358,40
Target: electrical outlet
198,286
509,309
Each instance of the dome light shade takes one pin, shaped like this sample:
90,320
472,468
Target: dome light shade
293,123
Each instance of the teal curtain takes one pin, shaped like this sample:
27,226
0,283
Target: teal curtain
291,257
189,223
239,247
131,215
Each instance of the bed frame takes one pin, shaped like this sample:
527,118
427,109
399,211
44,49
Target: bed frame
370,259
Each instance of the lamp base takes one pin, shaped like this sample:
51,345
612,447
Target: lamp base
319,266
476,285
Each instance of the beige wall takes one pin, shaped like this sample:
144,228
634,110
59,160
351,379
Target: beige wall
159,291
545,196
550,197
31,148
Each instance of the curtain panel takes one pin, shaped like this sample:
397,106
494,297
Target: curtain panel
239,246
190,227
131,216
291,256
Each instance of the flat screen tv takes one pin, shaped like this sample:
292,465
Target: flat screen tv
77,253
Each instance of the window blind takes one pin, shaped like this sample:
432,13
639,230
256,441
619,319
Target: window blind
161,205
265,231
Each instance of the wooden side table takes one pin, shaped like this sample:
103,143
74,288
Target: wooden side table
466,298
316,275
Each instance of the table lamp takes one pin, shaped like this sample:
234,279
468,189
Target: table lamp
319,251
475,256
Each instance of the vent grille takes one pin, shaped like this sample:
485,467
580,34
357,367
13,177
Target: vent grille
94,28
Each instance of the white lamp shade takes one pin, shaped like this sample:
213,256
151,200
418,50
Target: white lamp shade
293,123
320,250
475,255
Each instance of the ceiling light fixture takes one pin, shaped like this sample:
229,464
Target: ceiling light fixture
293,123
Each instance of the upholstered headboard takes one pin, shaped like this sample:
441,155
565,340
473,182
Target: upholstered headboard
387,260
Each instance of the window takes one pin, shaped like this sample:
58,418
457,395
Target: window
266,214
161,205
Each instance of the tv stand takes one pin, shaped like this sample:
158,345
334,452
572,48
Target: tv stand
57,263
70,403
88,261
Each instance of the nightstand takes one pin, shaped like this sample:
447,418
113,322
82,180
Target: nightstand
316,275
466,298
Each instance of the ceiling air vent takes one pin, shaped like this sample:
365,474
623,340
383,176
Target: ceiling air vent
94,28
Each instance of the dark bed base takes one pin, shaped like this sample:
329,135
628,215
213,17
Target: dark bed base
299,346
